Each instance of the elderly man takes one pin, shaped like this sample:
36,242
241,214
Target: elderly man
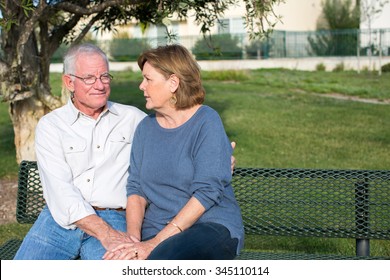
83,154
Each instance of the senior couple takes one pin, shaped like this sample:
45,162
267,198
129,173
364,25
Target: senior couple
120,184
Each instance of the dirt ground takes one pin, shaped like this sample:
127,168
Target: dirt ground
8,191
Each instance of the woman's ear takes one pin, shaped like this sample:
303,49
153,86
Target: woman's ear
68,82
174,83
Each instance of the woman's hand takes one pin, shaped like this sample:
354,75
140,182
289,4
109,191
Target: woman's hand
124,251
131,251
233,159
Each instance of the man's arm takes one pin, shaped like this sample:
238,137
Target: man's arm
98,228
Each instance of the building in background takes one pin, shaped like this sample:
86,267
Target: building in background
294,37
296,15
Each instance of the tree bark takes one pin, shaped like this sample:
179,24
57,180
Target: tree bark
25,115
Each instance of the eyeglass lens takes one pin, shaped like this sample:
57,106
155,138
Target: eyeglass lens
92,79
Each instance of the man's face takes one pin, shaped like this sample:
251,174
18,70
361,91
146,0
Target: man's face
90,99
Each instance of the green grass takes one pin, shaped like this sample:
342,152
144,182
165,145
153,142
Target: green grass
278,119
8,165
278,122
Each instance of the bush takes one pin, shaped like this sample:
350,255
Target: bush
127,49
385,67
320,67
226,75
58,55
258,49
339,67
221,46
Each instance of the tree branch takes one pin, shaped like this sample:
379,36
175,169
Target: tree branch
87,28
28,29
97,8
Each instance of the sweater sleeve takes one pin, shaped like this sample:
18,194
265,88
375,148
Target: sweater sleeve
133,186
212,161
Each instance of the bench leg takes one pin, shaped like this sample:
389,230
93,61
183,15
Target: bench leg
362,247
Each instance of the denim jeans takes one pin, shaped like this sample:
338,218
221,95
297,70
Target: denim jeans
205,241
46,240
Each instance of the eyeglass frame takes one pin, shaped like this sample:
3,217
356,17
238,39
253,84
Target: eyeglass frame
96,78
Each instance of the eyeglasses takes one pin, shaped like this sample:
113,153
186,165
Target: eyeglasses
90,80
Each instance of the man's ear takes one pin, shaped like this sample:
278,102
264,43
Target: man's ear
68,82
174,83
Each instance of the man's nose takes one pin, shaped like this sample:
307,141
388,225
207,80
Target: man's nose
98,83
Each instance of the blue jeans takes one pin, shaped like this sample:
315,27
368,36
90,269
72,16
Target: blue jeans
46,240
205,241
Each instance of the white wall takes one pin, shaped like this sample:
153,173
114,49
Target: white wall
298,15
381,21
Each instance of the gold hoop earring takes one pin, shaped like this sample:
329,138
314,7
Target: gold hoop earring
173,100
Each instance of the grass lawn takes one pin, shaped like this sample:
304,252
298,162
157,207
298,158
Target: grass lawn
279,118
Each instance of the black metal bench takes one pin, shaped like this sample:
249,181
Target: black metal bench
352,204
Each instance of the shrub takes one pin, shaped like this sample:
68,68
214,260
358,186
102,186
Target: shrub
258,49
60,52
221,46
339,67
127,49
386,67
320,67
226,75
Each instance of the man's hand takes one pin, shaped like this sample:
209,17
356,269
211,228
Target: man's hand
98,228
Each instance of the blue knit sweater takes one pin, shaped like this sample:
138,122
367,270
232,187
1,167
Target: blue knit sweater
169,166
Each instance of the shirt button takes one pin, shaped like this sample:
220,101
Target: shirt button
70,148
98,146
123,138
88,180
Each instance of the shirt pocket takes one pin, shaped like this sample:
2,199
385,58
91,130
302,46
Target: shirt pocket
120,145
75,151
120,137
74,146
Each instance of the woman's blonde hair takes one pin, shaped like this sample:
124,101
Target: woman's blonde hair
176,59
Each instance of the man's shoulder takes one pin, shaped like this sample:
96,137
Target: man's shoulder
124,108
58,112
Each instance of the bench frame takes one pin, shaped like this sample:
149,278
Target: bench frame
272,206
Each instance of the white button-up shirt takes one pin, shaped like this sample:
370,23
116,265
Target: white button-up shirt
84,162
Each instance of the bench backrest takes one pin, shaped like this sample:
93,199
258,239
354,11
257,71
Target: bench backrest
285,202
30,199
321,203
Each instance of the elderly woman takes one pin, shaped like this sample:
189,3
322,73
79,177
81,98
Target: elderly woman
180,199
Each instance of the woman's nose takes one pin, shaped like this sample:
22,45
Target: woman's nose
141,86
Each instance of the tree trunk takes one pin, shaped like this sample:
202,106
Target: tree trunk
25,115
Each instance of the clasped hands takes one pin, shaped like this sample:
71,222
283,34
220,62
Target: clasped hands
131,249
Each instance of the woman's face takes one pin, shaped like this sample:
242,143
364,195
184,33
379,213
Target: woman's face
157,89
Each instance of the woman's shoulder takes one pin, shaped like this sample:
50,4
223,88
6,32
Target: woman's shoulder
208,112
148,120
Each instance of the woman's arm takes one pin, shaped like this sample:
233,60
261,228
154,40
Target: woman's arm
135,212
186,217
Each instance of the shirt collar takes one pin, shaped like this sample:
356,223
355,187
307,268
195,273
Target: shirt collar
73,113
